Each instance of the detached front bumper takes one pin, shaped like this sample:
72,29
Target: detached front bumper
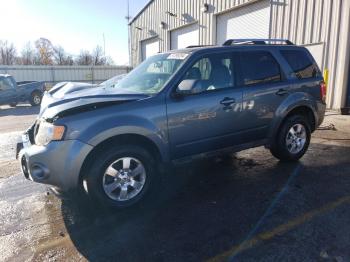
57,164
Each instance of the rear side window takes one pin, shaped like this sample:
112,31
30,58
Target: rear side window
258,67
301,64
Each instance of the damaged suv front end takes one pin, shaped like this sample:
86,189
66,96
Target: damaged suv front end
53,153
47,158
54,149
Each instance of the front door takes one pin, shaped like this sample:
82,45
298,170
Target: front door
208,119
7,91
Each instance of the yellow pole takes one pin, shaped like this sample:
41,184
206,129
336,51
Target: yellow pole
326,77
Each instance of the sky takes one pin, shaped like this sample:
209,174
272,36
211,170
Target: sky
74,24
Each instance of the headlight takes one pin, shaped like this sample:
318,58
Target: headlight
48,132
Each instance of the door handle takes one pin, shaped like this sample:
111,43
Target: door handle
281,92
228,101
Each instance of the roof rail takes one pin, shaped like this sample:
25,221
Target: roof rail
230,42
195,46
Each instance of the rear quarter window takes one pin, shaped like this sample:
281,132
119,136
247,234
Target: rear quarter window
301,63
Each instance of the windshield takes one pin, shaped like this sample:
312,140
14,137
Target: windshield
151,75
111,83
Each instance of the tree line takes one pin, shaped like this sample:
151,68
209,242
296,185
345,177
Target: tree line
43,52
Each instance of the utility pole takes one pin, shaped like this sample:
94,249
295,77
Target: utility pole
104,45
128,17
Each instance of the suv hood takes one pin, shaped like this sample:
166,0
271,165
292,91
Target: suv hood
63,88
60,90
79,98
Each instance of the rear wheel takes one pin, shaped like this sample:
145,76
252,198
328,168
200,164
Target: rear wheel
293,139
36,98
121,177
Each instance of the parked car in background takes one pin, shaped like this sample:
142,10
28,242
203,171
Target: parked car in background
65,90
173,108
12,93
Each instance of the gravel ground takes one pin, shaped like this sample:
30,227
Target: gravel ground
247,208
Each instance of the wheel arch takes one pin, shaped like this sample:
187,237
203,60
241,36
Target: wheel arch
124,139
32,93
36,91
301,109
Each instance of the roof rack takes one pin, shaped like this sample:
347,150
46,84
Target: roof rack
230,42
195,46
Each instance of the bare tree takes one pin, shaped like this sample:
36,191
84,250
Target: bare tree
69,60
109,61
45,51
7,53
98,56
60,55
84,58
27,55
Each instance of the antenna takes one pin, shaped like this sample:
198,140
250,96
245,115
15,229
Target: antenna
128,17
104,44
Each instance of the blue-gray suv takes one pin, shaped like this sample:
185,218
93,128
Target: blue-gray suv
174,107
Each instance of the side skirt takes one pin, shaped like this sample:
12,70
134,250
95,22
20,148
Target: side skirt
227,150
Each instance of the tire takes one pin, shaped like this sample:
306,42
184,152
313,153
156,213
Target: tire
35,99
13,104
98,183
293,139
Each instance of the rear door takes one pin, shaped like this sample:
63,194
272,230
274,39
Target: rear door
209,119
7,91
264,88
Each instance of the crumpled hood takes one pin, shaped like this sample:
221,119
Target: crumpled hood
64,88
83,100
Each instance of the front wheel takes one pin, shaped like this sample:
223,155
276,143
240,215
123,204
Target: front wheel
292,140
121,177
35,99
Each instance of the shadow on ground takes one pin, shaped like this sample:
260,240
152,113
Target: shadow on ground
19,110
207,208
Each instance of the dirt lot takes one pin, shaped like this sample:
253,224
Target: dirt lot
247,208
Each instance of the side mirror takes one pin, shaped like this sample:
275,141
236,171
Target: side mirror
189,87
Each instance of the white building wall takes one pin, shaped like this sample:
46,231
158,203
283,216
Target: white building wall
323,27
320,25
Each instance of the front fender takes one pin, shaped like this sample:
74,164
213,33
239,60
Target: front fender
132,125
292,102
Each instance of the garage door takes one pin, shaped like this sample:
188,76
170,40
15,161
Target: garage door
149,47
251,21
184,36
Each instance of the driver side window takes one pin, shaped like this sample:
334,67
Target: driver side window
212,72
5,84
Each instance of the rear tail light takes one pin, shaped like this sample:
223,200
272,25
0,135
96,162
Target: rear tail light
323,90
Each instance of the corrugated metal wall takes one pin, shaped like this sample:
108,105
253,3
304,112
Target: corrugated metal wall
186,11
53,74
322,22
319,21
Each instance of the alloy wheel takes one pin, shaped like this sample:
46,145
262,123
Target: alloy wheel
124,179
296,138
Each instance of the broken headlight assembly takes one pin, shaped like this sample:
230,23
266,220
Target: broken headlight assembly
48,132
